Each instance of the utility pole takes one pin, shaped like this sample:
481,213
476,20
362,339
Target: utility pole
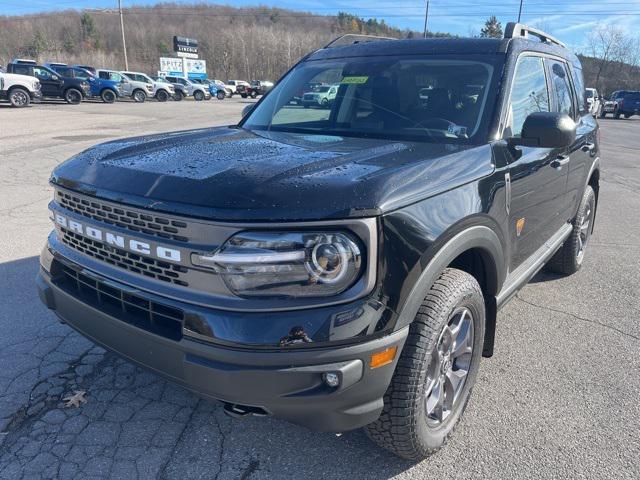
520,11
124,43
426,17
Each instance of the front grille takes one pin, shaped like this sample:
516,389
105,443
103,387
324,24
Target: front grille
133,309
123,217
150,267
309,96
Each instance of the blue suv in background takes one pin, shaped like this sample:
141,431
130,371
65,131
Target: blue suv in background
107,90
216,88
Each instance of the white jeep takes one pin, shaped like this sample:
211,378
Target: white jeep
20,90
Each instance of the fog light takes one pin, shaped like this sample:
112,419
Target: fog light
332,379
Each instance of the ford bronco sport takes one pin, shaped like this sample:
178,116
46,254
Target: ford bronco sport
20,90
52,84
337,268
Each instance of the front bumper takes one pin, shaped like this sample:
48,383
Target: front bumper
286,383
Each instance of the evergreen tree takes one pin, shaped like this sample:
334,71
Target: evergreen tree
492,28
90,35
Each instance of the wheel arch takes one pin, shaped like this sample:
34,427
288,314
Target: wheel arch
19,87
477,250
593,180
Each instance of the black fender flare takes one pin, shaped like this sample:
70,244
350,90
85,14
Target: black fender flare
595,167
479,237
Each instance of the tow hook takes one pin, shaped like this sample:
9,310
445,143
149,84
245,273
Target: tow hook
241,411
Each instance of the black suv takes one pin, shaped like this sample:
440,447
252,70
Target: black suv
53,85
340,268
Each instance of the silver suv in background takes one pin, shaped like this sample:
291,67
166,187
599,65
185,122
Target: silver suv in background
138,87
162,90
187,88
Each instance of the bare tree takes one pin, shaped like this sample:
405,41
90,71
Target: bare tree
606,45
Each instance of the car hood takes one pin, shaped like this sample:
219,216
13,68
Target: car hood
228,173
15,77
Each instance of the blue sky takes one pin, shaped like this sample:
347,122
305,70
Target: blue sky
569,20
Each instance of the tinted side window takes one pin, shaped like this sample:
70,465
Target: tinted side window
21,70
41,73
561,88
578,81
529,92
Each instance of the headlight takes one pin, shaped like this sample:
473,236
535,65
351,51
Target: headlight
287,264
85,85
36,85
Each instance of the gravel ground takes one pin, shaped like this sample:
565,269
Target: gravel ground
558,400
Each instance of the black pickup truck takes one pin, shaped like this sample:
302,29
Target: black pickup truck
343,268
53,85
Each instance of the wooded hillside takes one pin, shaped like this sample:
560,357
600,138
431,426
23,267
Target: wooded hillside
247,43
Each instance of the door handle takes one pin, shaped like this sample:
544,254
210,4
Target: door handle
587,147
560,161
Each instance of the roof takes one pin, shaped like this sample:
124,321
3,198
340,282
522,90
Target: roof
444,46
414,46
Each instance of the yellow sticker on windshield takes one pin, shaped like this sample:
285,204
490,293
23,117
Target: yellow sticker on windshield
355,80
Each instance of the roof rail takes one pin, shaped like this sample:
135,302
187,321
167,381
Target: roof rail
519,30
353,38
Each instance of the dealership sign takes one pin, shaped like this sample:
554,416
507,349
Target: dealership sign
185,45
192,68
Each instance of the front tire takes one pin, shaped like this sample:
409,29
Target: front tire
220,95
436,371
108,96
569,258
178,96
139,96
162,96
73,96
253,94
19,97
198,96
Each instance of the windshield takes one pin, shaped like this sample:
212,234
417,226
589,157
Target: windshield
427,98
589,93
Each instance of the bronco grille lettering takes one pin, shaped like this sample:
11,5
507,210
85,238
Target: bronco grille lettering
110,238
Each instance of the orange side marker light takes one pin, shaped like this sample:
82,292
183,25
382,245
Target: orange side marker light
383,358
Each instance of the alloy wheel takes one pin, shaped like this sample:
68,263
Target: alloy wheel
584,234
19,98
449,367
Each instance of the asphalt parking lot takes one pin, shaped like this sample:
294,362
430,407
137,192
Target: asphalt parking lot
559,399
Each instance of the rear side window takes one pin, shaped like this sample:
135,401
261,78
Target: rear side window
529,92
20,70
561,88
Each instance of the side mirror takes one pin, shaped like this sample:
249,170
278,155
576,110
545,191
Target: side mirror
546,130
247,110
